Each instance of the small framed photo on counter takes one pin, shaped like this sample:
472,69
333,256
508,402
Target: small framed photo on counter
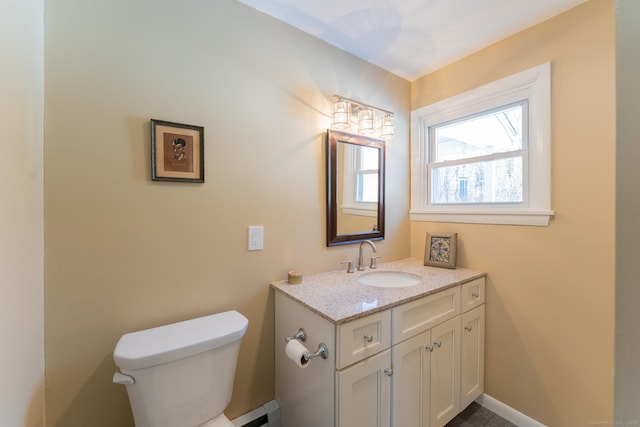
177,152
440,250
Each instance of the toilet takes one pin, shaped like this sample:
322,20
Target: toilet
181,375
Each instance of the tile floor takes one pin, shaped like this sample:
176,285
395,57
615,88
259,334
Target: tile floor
477,416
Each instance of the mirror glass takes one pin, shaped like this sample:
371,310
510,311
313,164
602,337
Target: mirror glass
355,188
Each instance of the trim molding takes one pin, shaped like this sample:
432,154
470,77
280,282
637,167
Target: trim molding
268,415
525,217
507,412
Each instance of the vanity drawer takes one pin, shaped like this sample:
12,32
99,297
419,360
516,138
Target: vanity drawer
472,294
362,338
417,316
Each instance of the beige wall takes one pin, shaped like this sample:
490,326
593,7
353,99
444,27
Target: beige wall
550,307
125,253
627,392
21,214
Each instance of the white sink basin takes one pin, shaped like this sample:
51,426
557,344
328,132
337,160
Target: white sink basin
389,279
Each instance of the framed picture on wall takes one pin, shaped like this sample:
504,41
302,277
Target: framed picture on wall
440,250
177,152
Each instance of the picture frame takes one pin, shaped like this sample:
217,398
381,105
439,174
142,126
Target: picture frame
177,152
441,250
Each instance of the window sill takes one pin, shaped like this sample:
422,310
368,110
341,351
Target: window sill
534,218
360,210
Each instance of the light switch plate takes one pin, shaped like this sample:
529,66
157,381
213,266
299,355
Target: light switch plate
256,238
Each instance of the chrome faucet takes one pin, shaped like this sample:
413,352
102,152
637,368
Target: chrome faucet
360,257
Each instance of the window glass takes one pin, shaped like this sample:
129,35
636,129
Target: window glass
490,132
368,188
367,175
469,162
495,181
368,158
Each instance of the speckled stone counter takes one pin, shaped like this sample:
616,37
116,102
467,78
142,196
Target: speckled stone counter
339,297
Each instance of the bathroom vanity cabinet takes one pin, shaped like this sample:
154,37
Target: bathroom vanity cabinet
408,357
438,356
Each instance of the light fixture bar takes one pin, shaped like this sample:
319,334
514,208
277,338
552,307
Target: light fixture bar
362,104
345,111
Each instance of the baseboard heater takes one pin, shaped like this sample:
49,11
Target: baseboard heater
268,415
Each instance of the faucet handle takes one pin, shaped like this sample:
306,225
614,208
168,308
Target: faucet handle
373,264
350,267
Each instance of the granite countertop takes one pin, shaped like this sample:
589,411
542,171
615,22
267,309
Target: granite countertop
338,297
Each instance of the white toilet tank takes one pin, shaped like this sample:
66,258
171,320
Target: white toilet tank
181,375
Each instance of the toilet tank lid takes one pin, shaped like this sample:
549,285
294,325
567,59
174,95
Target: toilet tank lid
150,347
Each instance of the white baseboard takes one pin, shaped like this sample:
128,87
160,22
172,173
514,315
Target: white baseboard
271,409
273,413
507,412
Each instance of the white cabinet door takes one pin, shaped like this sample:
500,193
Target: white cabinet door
363,393
445,372
410,382
472,370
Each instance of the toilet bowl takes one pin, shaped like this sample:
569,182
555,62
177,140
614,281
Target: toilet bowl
181,374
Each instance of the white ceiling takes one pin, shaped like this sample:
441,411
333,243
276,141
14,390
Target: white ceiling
411,38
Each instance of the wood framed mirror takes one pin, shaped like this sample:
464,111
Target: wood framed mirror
355,188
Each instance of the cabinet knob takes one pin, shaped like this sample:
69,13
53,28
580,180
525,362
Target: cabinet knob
428,347
468,328
388,371
368,338
475,294
437,343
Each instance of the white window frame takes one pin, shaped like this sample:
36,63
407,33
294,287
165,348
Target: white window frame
533,85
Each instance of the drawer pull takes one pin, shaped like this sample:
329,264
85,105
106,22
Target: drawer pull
388,371
437,343
368,338
468,328
475,294
429,347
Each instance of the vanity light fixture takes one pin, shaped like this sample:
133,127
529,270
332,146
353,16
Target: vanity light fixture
369,120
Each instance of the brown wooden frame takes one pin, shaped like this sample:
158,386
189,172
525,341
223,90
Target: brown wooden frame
193,136
333,238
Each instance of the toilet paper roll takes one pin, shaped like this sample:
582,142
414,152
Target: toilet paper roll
296,351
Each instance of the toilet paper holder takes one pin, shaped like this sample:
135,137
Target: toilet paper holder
322,351
301,335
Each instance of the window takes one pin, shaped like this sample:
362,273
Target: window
484,156
485,151
366,172
360,185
